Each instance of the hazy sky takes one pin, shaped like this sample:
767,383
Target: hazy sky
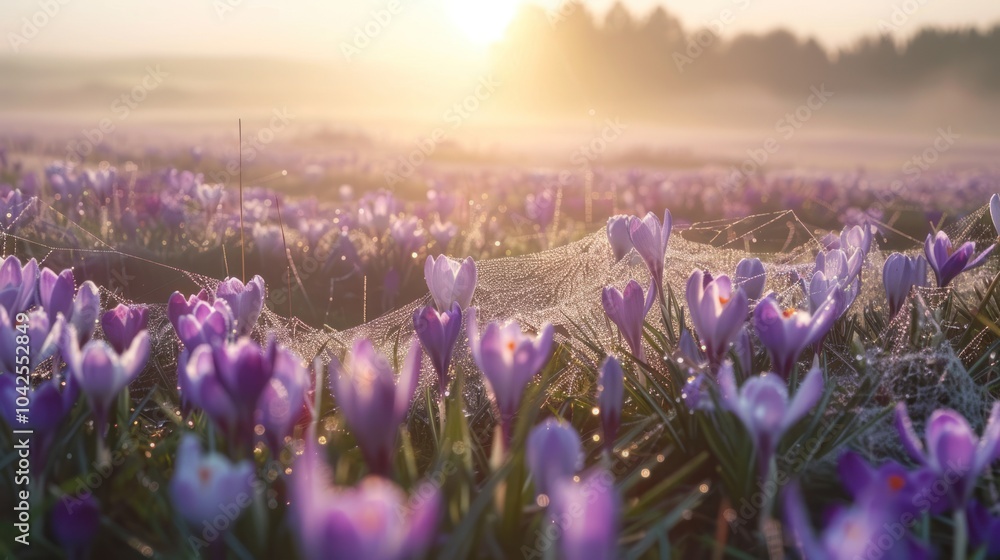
319,29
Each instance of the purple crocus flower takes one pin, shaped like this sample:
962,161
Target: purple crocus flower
438,333
17,284
984,529
751,276
246,301
893,486
618,236
179,305
57,291
81,307
283,404
947,262
627,309
717,311
858,238
101,373
695,393
995,212
858,531
372,402
205,324
899,274
553,454
43,339
588,514
650,238
450,281
787,332
443,233
122,324
508,359
48,405
407,234
75,523
207,485
12,209
953,453
610,392
374,521
763,406
200,387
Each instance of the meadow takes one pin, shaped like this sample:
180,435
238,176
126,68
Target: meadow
496,362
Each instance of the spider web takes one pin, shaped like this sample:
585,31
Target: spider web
563,286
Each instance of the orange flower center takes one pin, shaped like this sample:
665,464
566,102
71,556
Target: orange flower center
723,300
204,475
511,346
789,312
896,483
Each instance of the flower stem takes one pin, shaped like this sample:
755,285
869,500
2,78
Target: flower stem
961,535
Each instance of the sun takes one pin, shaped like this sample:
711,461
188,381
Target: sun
483,21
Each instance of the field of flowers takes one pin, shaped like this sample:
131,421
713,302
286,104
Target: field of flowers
495,362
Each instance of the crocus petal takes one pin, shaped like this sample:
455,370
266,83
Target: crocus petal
989,443
907,435
806,397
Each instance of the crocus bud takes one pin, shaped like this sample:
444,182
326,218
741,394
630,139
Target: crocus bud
627,309
206,485
610,392
897,276
56,292
618,236
650,238
553,454
122,324
751,276
438,333
450,281
246,301
372,402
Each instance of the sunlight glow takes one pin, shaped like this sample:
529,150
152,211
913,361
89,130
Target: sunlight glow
483,21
